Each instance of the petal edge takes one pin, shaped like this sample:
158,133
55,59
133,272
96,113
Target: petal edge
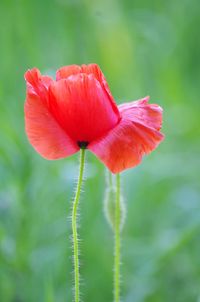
125,145
44,133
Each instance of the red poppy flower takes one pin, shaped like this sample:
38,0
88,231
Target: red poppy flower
77,111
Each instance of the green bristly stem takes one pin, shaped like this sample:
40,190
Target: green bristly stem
74,227
117,243
110,180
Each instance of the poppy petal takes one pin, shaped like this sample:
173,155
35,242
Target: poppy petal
94,69
36,83
66,71
140,111
82,107
44,133
136,135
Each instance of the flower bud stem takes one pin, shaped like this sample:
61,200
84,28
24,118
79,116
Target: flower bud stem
117,243
74,227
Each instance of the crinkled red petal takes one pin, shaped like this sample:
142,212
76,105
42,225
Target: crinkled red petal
82,107
94,69
140,111
43,131
136,135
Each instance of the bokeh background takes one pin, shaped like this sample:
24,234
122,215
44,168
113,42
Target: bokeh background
144,48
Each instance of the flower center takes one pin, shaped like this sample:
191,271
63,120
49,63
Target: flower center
82,144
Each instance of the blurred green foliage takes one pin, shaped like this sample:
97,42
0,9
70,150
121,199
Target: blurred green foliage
144,48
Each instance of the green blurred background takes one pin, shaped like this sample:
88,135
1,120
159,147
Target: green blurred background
144,48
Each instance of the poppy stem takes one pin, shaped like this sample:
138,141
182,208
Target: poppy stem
117,242
74,227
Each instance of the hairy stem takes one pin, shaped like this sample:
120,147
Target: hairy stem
74,227
117,243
